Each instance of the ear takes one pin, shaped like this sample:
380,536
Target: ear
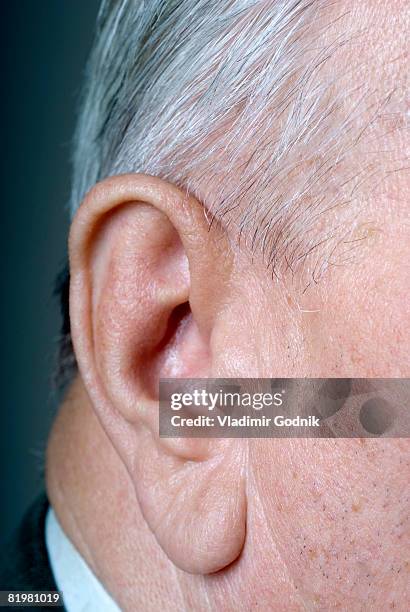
147,281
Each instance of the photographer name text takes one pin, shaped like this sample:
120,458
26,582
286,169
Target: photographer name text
244,421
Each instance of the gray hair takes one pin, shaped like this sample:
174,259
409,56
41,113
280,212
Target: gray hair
244,104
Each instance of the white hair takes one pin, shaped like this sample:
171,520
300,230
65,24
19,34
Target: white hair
237,101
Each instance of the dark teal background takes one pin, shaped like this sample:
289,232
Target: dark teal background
44,47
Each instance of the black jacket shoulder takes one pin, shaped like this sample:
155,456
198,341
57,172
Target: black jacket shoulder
24,562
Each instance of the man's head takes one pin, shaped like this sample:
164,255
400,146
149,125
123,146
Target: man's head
255,223
287,122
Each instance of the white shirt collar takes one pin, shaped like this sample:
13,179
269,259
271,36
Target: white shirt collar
81,590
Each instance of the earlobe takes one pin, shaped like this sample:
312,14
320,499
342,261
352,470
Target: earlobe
142,306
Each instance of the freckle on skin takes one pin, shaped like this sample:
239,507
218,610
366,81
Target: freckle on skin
367,231
356,507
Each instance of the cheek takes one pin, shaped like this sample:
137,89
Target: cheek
336,513
355,323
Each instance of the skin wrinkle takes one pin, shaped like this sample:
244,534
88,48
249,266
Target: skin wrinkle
257,500
73,515
177,576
